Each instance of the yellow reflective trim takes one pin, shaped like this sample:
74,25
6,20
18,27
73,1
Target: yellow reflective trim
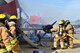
14,41
9,47
0,39
3,50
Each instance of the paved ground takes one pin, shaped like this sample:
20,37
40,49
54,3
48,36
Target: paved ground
76,49
25,49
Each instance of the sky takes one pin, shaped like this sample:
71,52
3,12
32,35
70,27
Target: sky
51,10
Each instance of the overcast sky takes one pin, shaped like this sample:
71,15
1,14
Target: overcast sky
51,10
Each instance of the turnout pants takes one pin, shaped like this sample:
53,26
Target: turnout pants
57,39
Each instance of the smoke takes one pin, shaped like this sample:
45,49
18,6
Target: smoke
53,9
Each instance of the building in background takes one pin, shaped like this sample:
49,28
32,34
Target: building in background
34,20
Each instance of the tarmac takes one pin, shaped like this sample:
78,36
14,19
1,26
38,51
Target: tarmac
27,49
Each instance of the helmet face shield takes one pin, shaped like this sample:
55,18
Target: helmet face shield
14,20
2,20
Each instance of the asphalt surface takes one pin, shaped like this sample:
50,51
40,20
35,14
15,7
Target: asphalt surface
27,49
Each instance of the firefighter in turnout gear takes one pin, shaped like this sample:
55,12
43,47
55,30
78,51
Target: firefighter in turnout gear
12,29
69,31
59,35
5,44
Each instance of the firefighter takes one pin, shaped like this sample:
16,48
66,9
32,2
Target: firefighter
5,44
69,31
59,35
12,29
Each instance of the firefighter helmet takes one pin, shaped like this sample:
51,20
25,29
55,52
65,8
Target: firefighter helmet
67,21
13,17
2,16
61,22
